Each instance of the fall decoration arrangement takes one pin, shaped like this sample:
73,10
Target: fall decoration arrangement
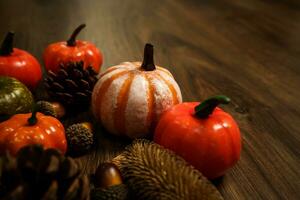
18,63
203,134
41,174
31,128
129,98
152,172
15,97
72,85
133,100
72,51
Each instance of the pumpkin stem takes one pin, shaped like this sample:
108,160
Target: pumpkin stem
204,109
71,42
33,120
7,44
148,62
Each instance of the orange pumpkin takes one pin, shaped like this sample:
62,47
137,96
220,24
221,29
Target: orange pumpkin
129,98
31,128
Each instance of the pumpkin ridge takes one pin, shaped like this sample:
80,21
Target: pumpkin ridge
230,140
103,89
171,88
54,53
119,113
109,103
151,102
164,70
113,68
108,71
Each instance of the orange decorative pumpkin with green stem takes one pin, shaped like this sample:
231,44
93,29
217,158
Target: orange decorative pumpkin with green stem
203,134
31,128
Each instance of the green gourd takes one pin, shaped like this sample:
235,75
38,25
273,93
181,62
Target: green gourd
15,97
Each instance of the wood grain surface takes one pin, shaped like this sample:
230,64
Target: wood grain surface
246,49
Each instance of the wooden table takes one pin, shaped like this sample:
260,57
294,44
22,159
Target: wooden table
246,49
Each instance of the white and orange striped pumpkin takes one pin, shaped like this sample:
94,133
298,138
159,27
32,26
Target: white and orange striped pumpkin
129,98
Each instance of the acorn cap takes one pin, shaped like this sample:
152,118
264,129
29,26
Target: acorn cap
54,109
115,192
107,174
80,138
153,172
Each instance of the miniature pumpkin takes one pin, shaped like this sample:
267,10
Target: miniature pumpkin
72,51
129,98
203,134
15,97
31,128
18,63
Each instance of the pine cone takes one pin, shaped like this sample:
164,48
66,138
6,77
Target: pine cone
115,192
72,85
153,172
41,174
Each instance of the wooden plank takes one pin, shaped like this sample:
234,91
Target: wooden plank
248,50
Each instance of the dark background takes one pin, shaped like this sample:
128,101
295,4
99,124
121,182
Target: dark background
246,49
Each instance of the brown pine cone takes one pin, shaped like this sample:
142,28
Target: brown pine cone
153,172
41,174
72,85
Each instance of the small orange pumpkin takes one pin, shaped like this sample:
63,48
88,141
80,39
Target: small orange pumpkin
31,128
129,98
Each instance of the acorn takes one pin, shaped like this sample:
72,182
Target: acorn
108,183
80,138
153,172
107,174
54,109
